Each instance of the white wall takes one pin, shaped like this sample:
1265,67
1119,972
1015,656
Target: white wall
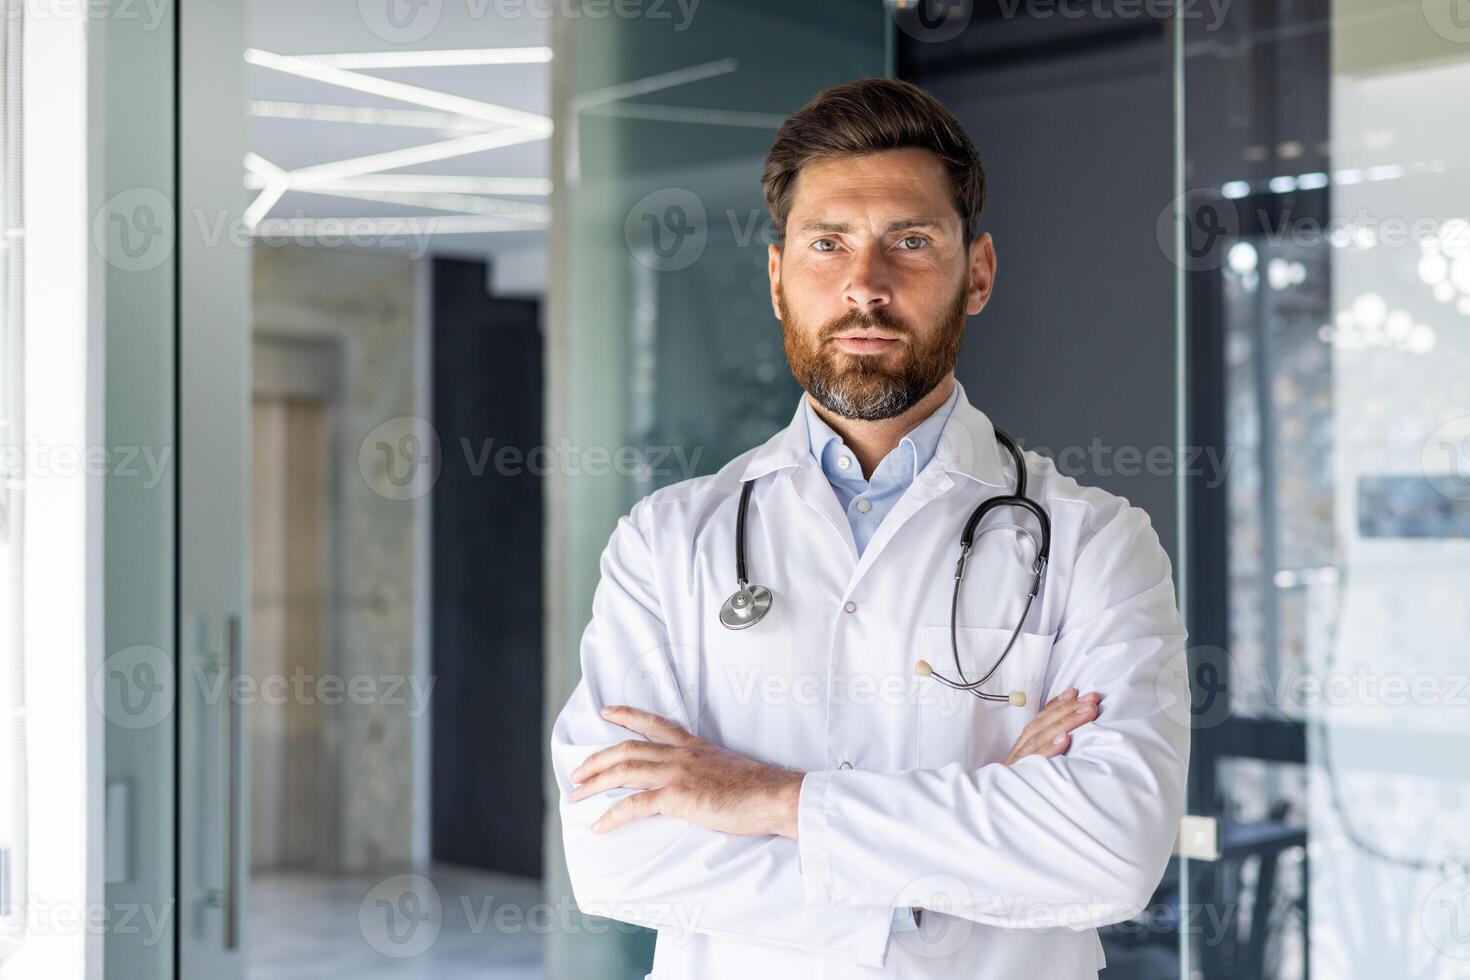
63,365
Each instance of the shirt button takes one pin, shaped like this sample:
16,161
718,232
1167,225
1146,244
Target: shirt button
844,461
844,765
864,505
850,606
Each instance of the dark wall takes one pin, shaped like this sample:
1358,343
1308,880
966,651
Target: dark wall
1076,350
1075,353
487,560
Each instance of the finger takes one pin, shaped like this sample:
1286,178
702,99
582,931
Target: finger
1056,746
1058,707
613,754
626,810
1061,698
634,774
1063,723
1059,722
646,723
1063,705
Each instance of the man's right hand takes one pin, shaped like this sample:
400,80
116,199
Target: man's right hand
1049,733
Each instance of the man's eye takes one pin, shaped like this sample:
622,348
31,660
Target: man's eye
919,241
821,245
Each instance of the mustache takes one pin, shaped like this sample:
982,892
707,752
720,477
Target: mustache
855,320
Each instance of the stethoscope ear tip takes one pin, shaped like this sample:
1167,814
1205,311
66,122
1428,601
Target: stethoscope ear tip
923,668
1018,699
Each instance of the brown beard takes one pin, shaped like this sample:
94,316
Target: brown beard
863,388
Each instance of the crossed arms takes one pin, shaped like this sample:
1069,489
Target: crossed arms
671,831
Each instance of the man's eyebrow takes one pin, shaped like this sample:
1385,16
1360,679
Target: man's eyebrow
842,227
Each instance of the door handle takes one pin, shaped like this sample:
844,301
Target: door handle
227,898
233,793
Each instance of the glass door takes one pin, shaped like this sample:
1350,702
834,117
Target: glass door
1325,320
213,369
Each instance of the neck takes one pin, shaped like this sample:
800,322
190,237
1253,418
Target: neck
871,441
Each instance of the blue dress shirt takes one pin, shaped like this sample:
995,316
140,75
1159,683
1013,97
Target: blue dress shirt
867,502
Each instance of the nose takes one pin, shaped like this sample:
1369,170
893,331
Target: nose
869,283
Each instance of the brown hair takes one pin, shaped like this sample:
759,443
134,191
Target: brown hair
867,116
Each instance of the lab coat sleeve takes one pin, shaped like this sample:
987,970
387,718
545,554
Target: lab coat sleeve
658,871
1076,841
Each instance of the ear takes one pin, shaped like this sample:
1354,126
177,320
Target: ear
773,271
980,273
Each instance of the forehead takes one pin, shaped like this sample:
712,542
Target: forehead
909,180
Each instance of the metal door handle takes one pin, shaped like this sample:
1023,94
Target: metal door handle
233,792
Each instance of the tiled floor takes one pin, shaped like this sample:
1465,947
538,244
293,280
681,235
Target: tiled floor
451,923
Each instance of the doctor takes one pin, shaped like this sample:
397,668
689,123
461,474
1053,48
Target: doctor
792,799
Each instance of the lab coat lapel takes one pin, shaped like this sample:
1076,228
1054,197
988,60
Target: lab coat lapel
967,454
965,457
931,482
790,450
814,490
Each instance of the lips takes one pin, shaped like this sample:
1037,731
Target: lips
866,335
865,343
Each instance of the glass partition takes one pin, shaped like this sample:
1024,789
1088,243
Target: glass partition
662,348
1327,322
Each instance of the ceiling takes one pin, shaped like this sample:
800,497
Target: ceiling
396,111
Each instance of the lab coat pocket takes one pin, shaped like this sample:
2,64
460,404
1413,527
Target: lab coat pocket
956,726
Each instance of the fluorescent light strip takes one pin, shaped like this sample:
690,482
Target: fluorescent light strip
430,224
399,91
687,114
452,184
278,183
654,83
432,59
262,168
264,201
535,214
364,115
410,155
428,184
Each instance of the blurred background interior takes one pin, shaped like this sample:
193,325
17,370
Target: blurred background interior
392,309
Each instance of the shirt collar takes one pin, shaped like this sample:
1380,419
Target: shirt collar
911,455
966,445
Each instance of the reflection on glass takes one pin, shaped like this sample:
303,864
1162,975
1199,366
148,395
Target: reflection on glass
1338,314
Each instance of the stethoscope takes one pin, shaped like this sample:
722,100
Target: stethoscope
750,603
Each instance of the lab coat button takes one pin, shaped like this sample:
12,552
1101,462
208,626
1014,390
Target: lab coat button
844,765
850,606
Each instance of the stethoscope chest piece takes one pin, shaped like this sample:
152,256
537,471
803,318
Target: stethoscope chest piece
746,607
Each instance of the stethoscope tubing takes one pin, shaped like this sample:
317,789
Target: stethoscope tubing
738,612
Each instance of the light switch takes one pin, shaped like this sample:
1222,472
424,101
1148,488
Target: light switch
1199,838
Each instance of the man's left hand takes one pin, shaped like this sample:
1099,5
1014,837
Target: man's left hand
688,778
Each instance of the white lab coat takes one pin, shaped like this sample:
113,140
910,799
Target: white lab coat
907,800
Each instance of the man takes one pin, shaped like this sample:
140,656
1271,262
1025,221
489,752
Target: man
793,800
